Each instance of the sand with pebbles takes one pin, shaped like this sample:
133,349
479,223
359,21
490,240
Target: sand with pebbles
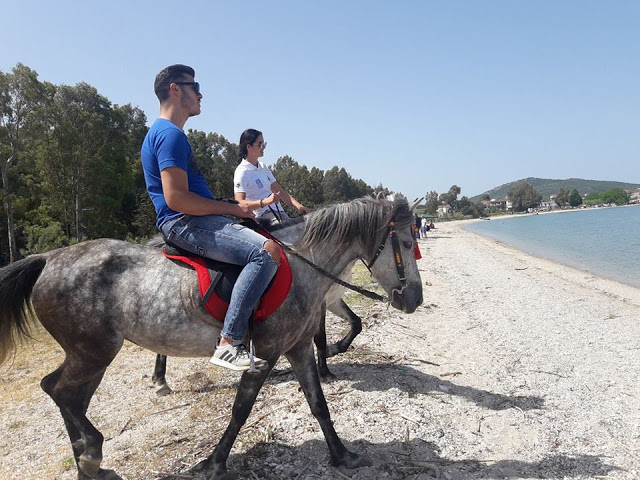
514,367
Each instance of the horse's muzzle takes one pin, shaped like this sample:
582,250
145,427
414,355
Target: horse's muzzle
407,299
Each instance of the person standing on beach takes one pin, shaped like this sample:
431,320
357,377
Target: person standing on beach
190,217
254,182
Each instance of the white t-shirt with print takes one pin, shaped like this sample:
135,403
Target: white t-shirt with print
255,183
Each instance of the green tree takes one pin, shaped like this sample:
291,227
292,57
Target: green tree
336,185
21,98
131,123
562,198
312,195
523,196
575,198
431,204
359,188
217,159
382,190
451,197
615,195
85,172
593,199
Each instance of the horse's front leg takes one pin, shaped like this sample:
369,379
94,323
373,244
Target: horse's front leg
250,385
342,310
305,370
320,339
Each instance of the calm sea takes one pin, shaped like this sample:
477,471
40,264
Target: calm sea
603,241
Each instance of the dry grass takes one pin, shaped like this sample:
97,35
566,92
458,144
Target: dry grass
21,372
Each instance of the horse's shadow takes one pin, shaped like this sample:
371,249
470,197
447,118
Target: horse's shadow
394,460
381,377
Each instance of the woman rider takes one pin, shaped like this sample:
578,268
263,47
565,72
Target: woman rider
255,183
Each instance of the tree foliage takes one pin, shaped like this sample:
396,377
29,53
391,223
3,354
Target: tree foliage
523,196
22,96
431,202
617,196
562,198
575,198
71,171
451,197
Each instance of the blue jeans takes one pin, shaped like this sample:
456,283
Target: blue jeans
224,240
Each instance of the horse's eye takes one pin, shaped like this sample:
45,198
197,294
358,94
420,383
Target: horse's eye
408,245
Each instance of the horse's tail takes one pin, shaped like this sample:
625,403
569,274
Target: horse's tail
16,313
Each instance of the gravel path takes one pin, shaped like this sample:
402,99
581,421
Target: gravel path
514,367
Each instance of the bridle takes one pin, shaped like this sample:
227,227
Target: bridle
397,254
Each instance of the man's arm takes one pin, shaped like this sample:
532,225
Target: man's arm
175,186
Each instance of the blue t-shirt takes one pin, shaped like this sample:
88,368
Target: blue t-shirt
166,145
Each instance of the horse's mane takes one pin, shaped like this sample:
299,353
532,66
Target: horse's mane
364,218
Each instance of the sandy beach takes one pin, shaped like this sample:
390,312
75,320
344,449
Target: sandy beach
514,367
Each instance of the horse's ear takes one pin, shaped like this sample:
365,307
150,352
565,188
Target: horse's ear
415,203
380,195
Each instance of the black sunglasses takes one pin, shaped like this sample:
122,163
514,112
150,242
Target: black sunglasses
195,85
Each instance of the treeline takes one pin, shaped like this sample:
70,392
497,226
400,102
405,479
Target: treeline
523,196
458,207
70,165
617,196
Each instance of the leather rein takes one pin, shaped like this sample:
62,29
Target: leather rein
397,255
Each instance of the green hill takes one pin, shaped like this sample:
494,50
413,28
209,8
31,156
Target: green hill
548,186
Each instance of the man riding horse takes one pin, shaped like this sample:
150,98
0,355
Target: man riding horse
191,218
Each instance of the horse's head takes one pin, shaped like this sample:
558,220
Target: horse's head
393,263
381,233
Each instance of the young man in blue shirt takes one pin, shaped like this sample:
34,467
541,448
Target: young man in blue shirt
191,218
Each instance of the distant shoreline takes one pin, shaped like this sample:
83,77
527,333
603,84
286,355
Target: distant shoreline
518,215
610,270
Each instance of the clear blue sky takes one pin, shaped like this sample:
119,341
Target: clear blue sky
416,95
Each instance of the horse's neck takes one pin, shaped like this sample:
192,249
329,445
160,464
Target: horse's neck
335,259
290,234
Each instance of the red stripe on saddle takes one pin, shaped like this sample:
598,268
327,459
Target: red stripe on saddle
270,301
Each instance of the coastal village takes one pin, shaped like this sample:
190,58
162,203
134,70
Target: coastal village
506,205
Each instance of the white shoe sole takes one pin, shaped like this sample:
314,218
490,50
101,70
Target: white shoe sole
221,363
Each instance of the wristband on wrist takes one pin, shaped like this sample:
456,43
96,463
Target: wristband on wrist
261,204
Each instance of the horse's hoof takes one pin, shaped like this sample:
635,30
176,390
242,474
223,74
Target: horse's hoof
353,460
164,390
102,475
326,375
222,475
90,464
108,475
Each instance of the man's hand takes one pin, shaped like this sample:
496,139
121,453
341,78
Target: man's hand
244,210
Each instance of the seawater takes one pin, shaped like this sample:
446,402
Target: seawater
601,241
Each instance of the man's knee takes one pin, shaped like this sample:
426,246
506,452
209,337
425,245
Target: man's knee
272,249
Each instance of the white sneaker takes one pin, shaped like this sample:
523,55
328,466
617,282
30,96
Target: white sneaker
235,357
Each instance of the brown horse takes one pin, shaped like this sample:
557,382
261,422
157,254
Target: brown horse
94,295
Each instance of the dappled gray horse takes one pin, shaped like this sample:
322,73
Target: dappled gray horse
290,233
94,295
